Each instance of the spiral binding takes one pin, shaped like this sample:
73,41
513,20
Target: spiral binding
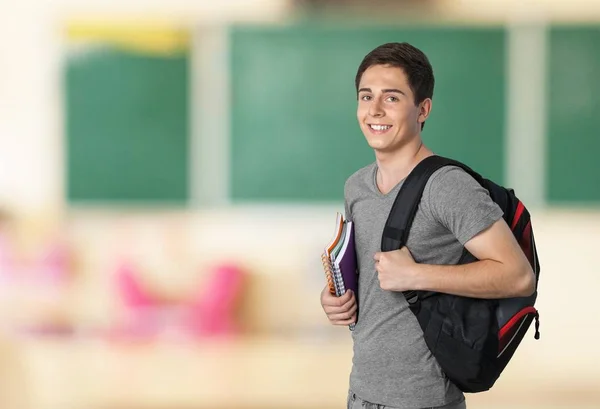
328,273
339,282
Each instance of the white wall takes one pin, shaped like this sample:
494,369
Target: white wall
30,155
515,10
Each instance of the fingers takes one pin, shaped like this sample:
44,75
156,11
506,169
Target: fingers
329,309
328,299
347,322
343,316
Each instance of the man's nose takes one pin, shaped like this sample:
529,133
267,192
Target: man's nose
375,109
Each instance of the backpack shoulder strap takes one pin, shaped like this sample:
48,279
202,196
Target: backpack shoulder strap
402,214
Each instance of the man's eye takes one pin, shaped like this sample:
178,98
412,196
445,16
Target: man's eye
366,98
392,99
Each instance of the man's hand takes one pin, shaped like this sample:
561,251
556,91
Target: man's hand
396,270
339,310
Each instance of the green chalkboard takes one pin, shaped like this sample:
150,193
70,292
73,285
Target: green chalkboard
126,126
573,115
294,131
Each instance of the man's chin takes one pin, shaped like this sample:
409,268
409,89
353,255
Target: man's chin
378,146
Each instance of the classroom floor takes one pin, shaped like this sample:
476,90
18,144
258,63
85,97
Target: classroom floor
254,373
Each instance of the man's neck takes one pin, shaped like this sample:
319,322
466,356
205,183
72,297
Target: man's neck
395,166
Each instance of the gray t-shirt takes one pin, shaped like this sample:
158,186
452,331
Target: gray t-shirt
392,365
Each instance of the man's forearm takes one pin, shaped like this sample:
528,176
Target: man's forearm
480,279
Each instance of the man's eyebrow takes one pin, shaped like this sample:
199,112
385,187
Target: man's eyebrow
384,90
393,90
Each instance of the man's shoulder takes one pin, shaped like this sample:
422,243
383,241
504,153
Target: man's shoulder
450,177
452,189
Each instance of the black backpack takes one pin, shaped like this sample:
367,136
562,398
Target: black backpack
472,339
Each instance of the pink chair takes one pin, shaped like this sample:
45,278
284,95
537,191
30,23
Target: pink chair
130,290
141,309
212,311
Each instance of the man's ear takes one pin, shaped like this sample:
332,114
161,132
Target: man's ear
424,110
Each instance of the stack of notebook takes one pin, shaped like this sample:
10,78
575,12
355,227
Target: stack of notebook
339,260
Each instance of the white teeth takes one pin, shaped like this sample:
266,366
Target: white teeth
380,127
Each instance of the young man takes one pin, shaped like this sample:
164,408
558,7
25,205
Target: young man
392,365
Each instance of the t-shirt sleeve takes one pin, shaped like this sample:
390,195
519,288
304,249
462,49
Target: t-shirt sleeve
459,203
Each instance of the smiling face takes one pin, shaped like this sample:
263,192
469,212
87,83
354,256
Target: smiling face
387,113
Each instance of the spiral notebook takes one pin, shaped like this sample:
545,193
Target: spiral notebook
339,260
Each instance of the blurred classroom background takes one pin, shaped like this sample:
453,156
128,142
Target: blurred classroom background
170,172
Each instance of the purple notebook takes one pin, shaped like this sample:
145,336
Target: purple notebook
344,264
